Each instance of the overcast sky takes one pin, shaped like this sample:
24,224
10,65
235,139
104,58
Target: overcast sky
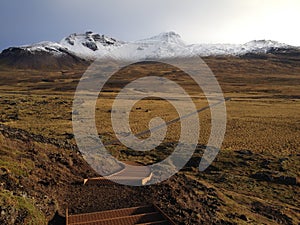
197,21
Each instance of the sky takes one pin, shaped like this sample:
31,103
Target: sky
197,21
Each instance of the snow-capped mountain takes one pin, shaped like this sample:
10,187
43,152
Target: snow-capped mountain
256,46
91,45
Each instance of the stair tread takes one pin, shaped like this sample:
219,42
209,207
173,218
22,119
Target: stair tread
110,214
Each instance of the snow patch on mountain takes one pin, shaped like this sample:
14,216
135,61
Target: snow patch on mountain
163,38
45,46
164,45
90,45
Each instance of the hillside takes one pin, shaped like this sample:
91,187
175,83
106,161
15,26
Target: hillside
254,179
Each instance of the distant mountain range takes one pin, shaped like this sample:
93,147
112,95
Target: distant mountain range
82,48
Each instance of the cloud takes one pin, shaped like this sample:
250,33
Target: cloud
232,21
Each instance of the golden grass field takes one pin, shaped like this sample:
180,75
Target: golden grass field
262,114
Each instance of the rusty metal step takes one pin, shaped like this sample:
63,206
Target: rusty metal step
163,222
126,220
110,214
142,215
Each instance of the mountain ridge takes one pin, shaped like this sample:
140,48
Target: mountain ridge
92,45
86,47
